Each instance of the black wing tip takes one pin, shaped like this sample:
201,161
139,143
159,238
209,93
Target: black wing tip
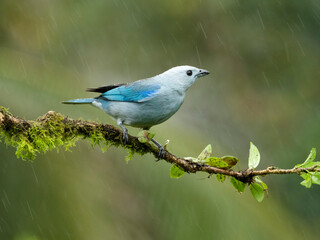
91,90
104,88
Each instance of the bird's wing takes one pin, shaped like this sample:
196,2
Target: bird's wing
105,88
139,91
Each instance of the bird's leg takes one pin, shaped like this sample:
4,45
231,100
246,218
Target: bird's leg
125,137
162,151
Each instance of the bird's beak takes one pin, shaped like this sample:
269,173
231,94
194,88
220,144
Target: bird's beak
202,72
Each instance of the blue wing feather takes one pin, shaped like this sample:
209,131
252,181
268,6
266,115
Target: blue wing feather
135,92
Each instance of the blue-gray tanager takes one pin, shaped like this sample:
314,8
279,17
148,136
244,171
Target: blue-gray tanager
146,102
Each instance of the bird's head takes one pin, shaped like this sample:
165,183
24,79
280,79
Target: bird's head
183,76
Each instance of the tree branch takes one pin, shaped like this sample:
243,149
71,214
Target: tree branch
53,130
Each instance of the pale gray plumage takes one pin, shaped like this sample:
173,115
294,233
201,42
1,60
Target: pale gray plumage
148,102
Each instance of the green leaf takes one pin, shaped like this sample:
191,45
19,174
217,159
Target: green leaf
259,181
307,182
315,178
254,156
205,153
216,162
309,178
308,165
176,172
141,137
257,191
145,136
304,175
230,160
240,186
225,162
312,156
151,135
221,177
309,160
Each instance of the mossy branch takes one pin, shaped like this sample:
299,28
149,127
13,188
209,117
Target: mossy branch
54,130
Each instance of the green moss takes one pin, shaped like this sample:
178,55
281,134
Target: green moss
130,155
42,136
97,138
54,131
4,110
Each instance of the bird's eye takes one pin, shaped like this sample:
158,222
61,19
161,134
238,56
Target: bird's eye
189,72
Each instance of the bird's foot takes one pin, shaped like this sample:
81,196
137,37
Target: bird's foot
162,151
125,137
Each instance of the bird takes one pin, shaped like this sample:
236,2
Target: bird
146,102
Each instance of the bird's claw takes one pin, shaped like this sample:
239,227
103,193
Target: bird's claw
125,137
162,153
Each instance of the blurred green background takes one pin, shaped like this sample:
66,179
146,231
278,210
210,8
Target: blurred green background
264,87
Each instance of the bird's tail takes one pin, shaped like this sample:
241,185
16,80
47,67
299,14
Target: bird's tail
79,101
